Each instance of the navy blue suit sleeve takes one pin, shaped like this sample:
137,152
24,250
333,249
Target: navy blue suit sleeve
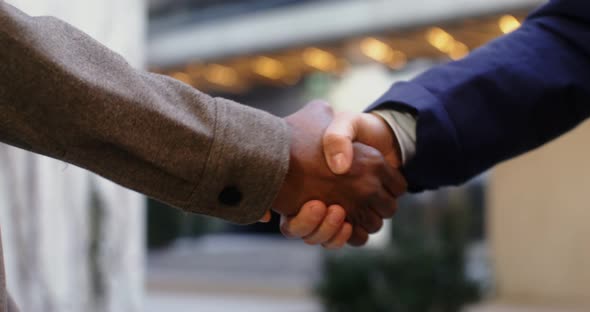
504,99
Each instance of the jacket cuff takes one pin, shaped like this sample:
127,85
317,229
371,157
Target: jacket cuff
248,161
438,160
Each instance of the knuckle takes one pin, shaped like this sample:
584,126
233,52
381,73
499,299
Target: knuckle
371,155
326,106
375,226
364,190
302,230
388,208
375,157
389,212
292,230
368,190
378,164
344,116
332,139
319,103
359,219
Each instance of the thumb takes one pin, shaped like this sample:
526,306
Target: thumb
337,143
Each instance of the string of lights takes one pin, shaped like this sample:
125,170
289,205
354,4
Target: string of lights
394,50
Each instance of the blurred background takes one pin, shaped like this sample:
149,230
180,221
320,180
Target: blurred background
514,239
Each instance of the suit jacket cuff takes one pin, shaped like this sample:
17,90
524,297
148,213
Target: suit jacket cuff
435,135
248,161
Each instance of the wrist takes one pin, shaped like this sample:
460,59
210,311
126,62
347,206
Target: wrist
388,127
401,128
282,198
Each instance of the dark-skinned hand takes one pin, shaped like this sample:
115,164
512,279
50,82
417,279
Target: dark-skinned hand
367,191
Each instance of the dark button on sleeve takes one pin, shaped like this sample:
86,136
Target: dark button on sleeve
230,196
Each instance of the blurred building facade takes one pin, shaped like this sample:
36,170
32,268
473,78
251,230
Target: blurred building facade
73,241
350,52
539,230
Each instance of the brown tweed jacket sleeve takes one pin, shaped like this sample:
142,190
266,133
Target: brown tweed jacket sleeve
64,95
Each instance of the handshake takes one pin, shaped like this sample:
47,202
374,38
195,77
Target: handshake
343,177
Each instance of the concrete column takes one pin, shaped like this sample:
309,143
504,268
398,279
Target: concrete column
540,225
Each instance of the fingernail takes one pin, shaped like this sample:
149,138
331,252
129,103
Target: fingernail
335,219
338,161
317,212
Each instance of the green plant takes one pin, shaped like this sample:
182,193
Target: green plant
421,271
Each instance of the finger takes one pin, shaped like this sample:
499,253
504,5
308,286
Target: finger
384,204
359,237
340,239
393,181
337,143
329,227
266,218
306,221
373,222
368,219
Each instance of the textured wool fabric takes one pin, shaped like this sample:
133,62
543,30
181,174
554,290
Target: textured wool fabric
64,95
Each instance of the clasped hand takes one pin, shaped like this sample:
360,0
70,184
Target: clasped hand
343,177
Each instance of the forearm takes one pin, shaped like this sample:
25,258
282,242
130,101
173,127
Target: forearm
66,96
506,98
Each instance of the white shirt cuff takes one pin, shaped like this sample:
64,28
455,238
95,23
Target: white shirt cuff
403,125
